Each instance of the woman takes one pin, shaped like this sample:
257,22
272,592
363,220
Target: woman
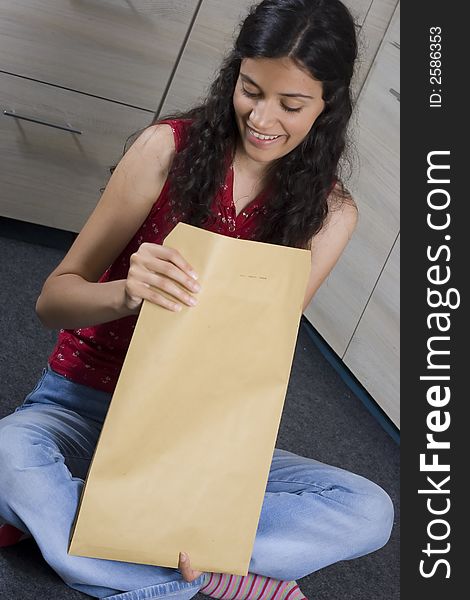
259,160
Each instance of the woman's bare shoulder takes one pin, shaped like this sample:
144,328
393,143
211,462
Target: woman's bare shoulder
342,209
158,141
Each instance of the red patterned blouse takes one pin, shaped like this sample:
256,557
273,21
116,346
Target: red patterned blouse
93,356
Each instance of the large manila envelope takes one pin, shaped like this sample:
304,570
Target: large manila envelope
184,455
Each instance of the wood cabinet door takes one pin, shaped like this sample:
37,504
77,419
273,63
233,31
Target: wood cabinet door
115,49
53,176
373,354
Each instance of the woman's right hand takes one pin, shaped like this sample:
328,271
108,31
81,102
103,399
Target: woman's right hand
155,268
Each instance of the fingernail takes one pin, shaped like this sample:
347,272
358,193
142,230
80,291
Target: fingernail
193,274
183,556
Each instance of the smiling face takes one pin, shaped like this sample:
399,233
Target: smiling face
275,98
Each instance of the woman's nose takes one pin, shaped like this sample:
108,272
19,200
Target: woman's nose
262,117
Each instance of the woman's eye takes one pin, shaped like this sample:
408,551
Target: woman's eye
247,93
286,108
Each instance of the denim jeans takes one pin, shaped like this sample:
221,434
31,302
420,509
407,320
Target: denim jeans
312,515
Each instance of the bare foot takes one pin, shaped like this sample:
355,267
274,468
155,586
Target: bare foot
185,569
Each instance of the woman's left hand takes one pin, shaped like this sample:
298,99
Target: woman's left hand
185,569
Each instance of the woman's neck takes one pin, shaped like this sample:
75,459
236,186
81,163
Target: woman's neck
249,168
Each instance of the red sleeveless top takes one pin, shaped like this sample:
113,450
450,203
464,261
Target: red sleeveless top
93,356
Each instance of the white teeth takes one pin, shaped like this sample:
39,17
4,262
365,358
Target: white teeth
262,137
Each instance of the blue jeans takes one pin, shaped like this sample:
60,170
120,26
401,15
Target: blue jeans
313,514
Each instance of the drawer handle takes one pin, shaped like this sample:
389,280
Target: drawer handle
396,44
395,93
14,114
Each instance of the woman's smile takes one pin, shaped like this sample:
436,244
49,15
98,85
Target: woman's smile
261,141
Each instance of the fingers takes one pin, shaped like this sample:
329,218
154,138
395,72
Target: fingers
184,566
148,284
171,255
153,269
169,278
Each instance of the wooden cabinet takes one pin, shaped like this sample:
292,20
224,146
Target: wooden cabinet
53,176
101,67
373,354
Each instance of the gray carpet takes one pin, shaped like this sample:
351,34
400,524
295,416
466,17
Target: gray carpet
322,419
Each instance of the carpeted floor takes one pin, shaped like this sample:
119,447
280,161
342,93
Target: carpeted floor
322,419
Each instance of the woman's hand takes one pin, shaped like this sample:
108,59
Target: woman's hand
184,567
155,268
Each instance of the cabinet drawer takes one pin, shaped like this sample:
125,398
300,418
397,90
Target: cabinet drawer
123,51
51,176
373,354
338,305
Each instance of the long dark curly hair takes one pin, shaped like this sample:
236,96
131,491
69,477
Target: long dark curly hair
319,37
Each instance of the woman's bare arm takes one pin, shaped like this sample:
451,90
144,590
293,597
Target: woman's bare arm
328,245
71,296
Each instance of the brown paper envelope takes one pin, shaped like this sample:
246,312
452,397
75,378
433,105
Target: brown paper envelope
183,458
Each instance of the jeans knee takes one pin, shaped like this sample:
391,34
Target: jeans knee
378,512
24,445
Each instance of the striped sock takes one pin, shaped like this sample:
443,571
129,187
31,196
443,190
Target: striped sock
250,587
